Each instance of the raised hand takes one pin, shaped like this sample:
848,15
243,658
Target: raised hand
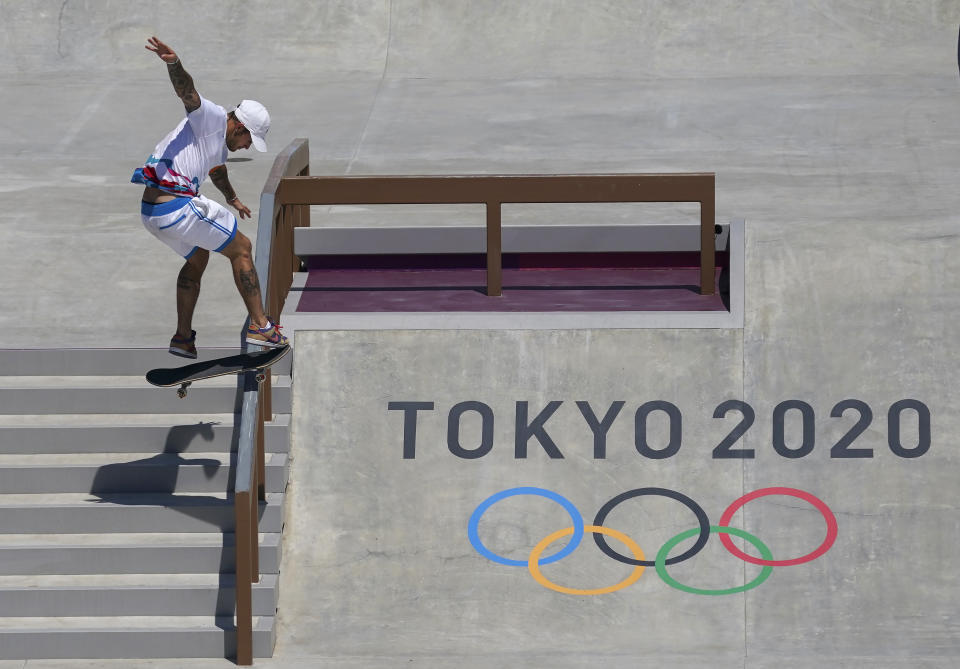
182,82
166,54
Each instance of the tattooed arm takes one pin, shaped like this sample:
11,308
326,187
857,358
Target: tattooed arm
218,175
182,82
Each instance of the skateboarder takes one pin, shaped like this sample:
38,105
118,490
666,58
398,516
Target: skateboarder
192,225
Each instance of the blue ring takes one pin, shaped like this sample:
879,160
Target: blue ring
510,492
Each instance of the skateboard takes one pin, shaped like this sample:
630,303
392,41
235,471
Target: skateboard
208,369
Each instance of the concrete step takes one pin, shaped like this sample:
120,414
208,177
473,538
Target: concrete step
128,472
107,362
79,513
131,595
132,433
116,533
129,637
209,553
125,394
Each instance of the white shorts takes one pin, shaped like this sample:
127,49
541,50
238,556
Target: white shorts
186,224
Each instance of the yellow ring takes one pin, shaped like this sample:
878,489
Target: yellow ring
534,560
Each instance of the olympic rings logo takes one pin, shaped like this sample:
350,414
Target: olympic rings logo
639,561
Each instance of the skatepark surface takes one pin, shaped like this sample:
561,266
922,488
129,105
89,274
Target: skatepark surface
834,130
845,114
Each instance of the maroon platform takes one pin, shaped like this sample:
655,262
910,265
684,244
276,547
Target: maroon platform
531,282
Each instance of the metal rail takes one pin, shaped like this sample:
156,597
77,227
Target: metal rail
496,190
246,505
275,260
274,256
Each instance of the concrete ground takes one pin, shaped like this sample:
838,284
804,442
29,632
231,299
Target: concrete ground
809,115
834,130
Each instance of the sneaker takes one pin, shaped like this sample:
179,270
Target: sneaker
269,336
183,347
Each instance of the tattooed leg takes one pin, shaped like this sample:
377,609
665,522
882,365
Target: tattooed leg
188,290
239,251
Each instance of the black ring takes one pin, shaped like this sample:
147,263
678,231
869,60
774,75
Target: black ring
672,494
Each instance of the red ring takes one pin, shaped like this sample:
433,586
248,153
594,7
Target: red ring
792,492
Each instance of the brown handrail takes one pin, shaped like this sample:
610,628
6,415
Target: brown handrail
496,190
246,518
274,257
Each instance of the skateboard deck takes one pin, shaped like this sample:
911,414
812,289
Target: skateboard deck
208,369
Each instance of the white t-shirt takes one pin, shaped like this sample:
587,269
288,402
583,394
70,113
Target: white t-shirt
184,157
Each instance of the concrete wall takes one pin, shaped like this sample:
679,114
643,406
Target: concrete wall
394,552
381,565
485,39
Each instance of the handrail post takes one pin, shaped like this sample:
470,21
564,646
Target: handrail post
257,486
254,539
244,578
708,241
494,250
261,452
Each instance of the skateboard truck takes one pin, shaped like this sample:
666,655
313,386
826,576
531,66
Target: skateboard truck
182,390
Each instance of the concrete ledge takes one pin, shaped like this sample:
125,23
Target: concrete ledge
615,320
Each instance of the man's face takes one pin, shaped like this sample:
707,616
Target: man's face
239,138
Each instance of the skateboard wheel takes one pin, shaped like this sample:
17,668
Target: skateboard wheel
261,377
181,393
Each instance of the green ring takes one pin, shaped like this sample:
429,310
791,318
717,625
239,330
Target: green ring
661,561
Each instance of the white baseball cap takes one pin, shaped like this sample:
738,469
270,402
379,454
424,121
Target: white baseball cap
254,118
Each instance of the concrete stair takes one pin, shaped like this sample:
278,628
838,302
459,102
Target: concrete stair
130,433
129,553
129,472
130,637
41,395
116,508
117,595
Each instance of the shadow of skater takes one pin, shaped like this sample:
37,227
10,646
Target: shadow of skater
152,481
158,473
